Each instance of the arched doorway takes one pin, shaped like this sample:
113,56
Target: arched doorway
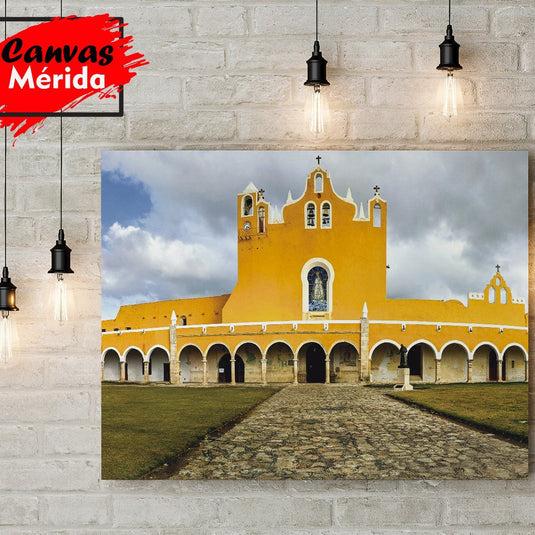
191,367
514,361
225,372
315,364
384,362
112,365
454,367
414,360
134,365
280,363
159,366
344,363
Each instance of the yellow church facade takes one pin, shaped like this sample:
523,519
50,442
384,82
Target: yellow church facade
310,305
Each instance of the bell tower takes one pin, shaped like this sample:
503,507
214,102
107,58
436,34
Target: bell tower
252,213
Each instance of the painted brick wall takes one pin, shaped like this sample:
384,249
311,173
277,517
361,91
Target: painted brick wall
228,75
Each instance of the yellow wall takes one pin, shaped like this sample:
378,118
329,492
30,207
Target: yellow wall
198,311
271,263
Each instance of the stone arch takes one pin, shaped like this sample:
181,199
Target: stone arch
311,362
111,360
344,361
520,347
308,266
190,363
159,364
454,357
385,341
213,353
458,342
251,354
424,341
384,356
514,363
134,358
279,362
421,358
485,362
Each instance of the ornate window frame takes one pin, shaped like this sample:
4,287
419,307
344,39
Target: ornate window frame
327,266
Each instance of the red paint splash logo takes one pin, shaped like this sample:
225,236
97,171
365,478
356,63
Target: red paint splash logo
54,66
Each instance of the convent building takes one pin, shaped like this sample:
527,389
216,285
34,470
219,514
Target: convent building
310,305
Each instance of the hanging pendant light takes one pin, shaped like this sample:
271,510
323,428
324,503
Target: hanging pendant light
449,62
61,253
7,288
316,110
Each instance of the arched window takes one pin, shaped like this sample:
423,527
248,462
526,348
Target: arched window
247,205
310,215
183,320
376,215
318,183
492,295
261,219
317,278
325,215
317,289
503,296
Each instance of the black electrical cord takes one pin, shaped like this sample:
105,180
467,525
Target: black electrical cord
61,150
316,20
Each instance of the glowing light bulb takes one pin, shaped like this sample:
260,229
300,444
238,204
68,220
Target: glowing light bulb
450,102
317,111
6,337
60,306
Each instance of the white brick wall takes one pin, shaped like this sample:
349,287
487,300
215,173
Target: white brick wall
228,74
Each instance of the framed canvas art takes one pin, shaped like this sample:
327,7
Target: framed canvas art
341,315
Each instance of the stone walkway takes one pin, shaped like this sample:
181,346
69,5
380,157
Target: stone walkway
350,432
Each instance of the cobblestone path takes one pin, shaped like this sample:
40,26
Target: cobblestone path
350,432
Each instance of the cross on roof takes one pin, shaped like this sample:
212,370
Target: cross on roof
318,157
376,188
498,268
261,194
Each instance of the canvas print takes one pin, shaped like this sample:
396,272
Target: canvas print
314,315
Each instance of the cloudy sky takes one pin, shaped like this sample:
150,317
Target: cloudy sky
169,218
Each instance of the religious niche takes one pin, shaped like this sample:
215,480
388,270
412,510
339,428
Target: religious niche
317,289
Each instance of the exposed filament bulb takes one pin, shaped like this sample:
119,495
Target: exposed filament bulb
317,111
60,307
6,337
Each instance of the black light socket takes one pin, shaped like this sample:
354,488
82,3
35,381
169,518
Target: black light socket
449,52
317,67
7,292
61,255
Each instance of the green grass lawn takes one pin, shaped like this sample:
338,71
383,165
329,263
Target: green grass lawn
498,407
144,427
